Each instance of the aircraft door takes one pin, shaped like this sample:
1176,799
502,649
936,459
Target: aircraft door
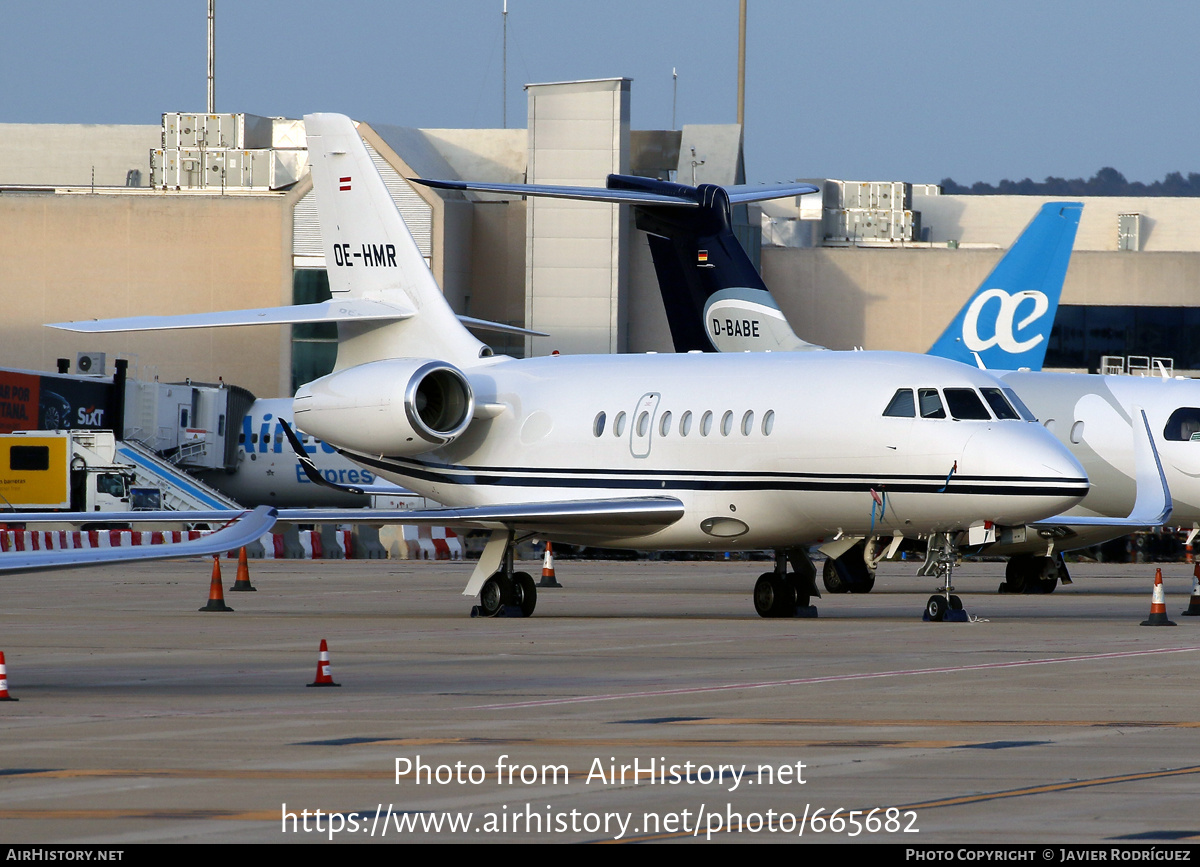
642,427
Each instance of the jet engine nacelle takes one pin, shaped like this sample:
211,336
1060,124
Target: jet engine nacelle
401,406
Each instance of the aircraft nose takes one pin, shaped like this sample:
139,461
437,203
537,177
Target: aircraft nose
1038,470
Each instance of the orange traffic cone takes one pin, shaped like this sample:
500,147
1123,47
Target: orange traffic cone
216,599
1158,605
4,696
324,675
548,579
242,582
1193,609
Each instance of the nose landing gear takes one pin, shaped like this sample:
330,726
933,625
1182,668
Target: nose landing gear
943,606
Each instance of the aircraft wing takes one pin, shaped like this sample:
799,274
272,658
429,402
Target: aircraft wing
1152,505
248,528
534,517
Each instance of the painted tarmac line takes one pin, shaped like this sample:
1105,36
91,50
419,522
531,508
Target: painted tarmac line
832,678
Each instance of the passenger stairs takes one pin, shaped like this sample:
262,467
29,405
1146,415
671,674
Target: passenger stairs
180,491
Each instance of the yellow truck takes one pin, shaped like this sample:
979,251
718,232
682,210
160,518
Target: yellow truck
63,470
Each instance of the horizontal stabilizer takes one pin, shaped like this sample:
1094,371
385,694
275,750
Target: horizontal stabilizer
326,311
679,195
246,529
357,310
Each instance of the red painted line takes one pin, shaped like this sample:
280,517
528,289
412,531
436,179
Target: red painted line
832,678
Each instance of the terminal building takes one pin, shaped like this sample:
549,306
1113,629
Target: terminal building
212,212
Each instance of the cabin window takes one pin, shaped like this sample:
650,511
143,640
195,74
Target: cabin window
1183,425
619,425
706,423
598,424
685,424
1000,406
965,405
727,423
29,458
768,423
643,424
664,426
931,403
1077,432
901,404
242,439
748,423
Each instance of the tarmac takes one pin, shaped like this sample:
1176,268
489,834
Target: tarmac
642,701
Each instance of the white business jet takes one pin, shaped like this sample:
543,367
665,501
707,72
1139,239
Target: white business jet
651,452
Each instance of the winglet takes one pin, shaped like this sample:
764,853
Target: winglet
1152,506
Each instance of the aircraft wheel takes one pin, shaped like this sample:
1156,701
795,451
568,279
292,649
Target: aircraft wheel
526,592
493,597
866,584
935,608
831,578
1016,573
773,596
803,600
955,604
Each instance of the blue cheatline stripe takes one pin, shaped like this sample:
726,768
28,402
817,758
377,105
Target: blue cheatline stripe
177,479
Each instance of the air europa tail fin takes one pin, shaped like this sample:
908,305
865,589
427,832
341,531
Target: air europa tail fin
1007,321
370,254
714,297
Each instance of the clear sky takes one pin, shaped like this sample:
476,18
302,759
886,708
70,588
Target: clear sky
869,90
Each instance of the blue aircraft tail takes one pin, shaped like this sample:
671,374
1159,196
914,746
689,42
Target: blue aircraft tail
1006,324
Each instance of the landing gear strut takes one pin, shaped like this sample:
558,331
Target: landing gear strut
943,606
787,594
505,593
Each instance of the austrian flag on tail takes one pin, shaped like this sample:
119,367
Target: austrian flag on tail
345,184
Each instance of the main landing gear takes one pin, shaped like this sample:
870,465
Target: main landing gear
1027,573
787,594
943,606
503,592
849,573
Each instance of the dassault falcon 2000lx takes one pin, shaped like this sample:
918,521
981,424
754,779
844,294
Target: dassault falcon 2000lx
652,452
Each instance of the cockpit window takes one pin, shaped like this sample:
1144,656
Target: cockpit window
1000,406
931,403
1025,412
1183,425
965,405
901,404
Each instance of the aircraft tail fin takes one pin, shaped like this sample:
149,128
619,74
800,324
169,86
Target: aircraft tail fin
1006,323
370,255
715,299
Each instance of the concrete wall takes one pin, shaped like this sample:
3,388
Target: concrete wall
904,298
69,257
575,251
1168,224
58,154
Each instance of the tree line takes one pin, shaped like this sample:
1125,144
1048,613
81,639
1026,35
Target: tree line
1106,182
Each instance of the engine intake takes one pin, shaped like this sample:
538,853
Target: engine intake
401,406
